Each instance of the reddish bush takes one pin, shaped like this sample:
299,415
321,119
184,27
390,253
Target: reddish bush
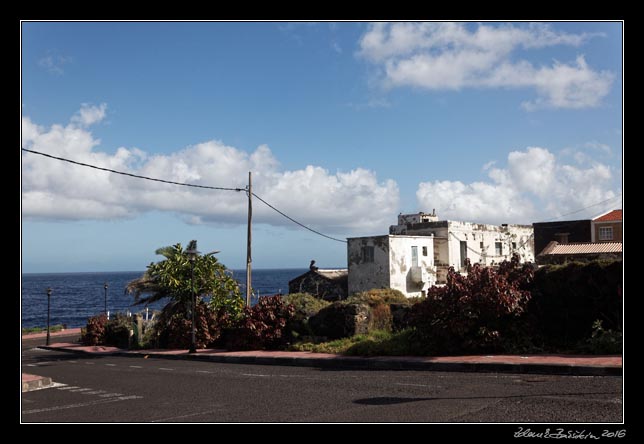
263,326
471,312
174,327
94,332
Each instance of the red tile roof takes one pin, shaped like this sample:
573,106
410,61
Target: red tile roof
613,216
583,248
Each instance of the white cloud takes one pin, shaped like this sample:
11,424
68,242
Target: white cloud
53,63
534,186
449,56
89,114
340,202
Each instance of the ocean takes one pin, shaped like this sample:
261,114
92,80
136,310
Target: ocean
77,296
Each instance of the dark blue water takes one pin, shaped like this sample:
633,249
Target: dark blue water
77,296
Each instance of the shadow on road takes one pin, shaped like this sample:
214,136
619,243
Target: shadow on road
389,400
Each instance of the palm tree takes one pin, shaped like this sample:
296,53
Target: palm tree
172,278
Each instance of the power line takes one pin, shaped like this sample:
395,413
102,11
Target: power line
296,222
585,208
133,175
137,176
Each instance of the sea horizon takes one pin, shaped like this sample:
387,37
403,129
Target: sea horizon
142,271
79,295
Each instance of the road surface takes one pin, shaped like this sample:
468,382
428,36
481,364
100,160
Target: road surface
123,389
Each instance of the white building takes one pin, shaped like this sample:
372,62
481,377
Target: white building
418,252
456,241
405,263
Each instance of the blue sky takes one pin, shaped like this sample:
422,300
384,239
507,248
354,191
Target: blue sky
344,125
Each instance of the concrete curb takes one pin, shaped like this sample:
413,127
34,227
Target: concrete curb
368,363
34,382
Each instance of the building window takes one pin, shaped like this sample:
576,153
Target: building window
367,254
414,256
424,251
562,238
498,248
463,253
514,246
605,233
481,245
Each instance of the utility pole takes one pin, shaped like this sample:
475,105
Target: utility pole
249,259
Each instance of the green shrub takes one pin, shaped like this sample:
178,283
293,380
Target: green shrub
305,306
568,299
117,331
385,343
52,329
374,343
603,342
377,296
150,337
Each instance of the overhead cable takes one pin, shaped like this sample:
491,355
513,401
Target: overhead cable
137,176
183,184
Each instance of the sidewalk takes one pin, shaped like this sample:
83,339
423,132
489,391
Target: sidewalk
66,332
543,364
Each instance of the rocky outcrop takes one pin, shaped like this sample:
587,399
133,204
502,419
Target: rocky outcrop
341,320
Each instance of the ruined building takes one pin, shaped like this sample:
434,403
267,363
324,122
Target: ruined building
419,250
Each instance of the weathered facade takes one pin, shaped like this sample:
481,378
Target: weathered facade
330,285
454,242
401,262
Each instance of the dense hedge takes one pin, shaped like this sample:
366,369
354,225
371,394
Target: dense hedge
568,299
101,331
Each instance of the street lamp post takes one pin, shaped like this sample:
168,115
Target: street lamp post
192,256
105,288
48,313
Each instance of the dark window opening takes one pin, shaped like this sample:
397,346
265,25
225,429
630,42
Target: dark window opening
367,254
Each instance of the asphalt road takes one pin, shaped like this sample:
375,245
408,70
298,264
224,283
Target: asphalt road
122,389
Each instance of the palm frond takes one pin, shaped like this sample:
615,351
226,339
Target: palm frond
168,251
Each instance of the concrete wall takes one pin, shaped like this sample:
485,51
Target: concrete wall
392,265
402,276
365,276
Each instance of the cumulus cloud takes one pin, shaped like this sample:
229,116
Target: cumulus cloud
449,56
89,114
535,185
340,202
